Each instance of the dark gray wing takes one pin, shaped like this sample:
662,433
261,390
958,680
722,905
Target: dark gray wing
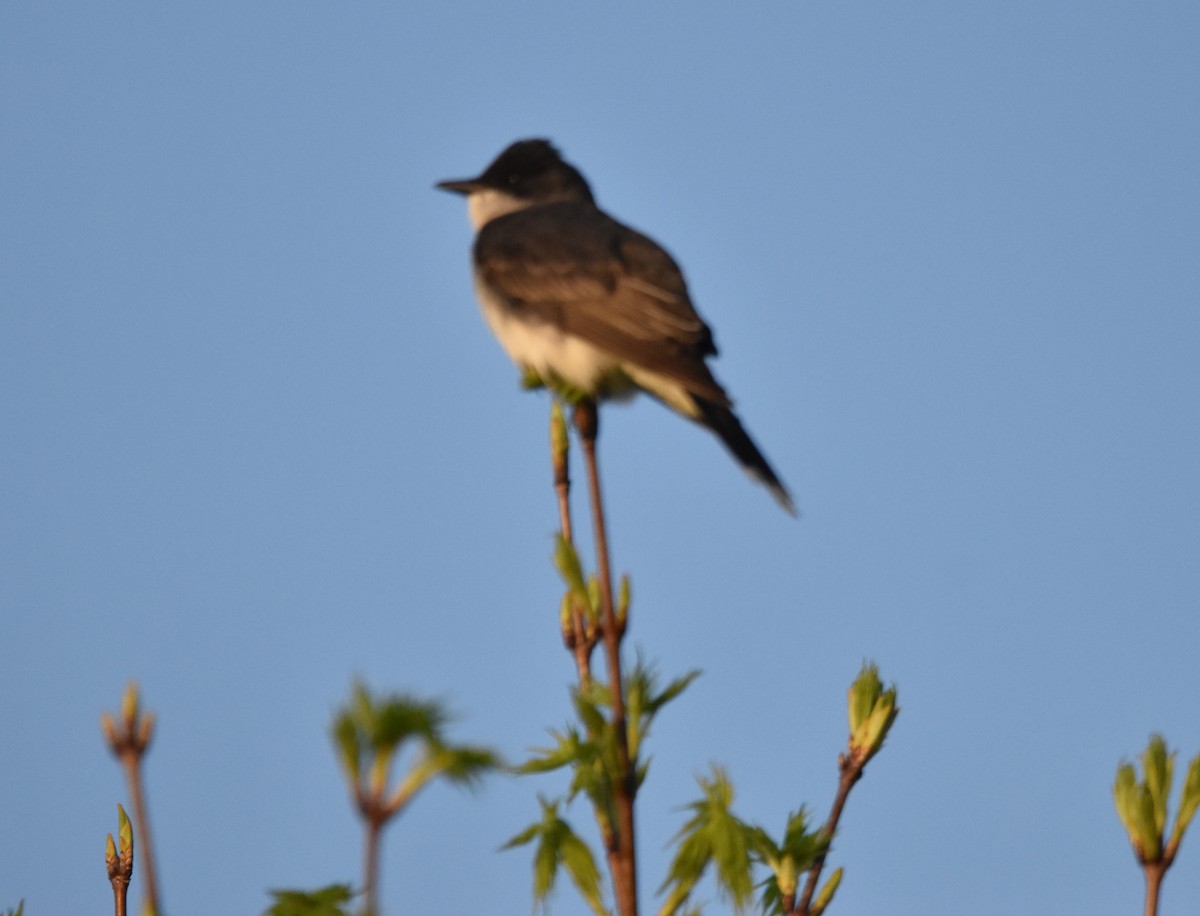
574,267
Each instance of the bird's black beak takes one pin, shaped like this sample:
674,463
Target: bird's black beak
462,186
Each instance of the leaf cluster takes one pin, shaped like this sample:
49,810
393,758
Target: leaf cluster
715,836
583,592
1142,806
588,749
370,734
328,901
871,710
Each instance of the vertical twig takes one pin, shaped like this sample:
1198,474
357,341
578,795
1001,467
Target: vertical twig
578,641
559,448
851,772
129,745
133,772
371,863
120,888
587,422
1154,872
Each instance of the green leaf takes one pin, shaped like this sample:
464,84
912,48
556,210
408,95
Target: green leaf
713,835
460,765
523,838
641,772
593,599
590,770
790,859
566,616
346,740
382,724
557,846
770,901
588,705
530,380
760,844
560,442
566,561
624,597
643,701
1150,840
800,843
1125,799
1135,807
1188,802
581,866
464,764
324,902
825,895
399,717
863,693
569,748
1158,766
545,864
124,832
130,703
787,860
656,701
564,389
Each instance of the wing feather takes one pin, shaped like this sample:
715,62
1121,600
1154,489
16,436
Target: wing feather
572,266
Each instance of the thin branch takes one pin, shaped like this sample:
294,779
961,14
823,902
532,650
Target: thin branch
562,474
120,896
1154,872
133,773
587,422
578,640
374,831
129,745
851,772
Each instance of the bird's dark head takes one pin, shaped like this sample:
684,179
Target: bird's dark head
529,172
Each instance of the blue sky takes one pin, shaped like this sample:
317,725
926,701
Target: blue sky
258,442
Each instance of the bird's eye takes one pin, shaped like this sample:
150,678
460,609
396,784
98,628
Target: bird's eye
514,178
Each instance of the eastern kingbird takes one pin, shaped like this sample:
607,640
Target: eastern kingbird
588,306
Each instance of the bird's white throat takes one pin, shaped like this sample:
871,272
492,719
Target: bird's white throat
487,204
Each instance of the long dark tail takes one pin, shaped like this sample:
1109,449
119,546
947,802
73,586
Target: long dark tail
722,421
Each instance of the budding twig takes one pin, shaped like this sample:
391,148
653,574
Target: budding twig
129,743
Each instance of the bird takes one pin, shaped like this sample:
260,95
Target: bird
587,306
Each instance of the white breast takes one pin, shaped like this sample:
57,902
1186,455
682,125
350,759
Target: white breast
544,348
